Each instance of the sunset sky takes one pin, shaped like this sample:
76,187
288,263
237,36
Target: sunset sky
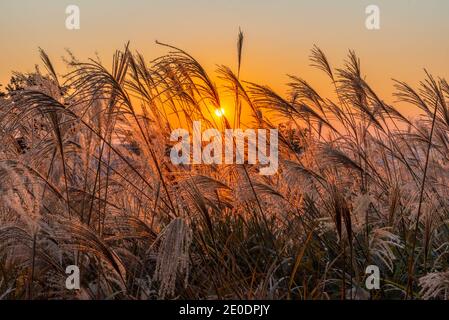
278,35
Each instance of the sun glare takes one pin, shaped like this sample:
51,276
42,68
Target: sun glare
219,112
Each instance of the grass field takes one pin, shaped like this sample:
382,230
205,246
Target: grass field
86,180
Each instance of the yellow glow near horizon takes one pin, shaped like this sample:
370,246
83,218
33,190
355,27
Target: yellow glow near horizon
219,112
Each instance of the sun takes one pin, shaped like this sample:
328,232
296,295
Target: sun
219,112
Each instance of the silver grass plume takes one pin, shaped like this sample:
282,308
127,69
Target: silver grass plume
435,285
381,245
173,256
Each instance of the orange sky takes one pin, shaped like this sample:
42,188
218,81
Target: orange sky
278,35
